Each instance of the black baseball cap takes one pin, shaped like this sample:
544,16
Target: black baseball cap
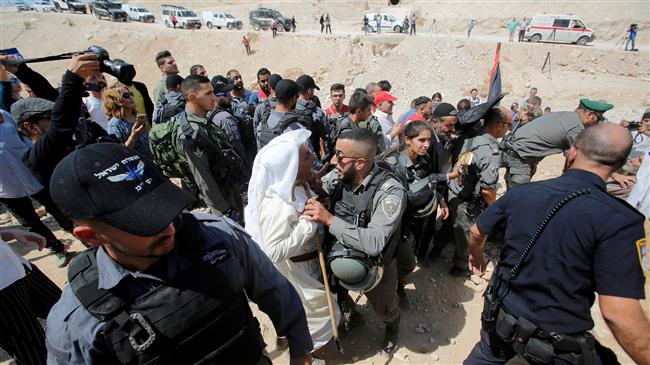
221,85
287,89
118,186
444,110
273,80
307,82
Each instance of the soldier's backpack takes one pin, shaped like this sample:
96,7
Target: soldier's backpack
172,160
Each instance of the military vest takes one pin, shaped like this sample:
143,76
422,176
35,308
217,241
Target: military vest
185,320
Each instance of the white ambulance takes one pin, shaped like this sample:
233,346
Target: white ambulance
559,28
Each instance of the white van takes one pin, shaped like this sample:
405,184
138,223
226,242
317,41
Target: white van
185,18
559,28
138,13
388,23
219,19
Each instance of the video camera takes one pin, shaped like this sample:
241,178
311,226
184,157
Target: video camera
121,70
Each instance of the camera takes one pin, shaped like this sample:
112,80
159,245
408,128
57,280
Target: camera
117,68
121,70
634,125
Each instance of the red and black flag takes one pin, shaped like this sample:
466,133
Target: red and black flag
495,75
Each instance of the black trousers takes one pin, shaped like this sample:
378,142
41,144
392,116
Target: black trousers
23,210
21,334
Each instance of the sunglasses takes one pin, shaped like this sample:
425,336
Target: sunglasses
127,95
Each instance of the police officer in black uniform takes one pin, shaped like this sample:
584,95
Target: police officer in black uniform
158,285
564,239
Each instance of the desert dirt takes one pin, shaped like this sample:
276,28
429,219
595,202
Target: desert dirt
443,322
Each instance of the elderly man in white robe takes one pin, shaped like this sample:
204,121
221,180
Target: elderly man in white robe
273,216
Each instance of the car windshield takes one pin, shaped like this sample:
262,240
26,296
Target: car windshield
187,13
276,14
113,6
230,16
142,10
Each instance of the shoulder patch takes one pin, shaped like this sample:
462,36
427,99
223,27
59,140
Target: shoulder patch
644,259
391,206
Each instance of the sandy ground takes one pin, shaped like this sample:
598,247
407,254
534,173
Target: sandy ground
441,58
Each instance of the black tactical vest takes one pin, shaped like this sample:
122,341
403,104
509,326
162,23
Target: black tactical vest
266,134
195,318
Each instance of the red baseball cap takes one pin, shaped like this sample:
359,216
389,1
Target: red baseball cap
383,96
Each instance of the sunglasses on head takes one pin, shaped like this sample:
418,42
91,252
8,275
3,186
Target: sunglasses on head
14,80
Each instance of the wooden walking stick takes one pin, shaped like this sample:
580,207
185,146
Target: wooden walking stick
328,291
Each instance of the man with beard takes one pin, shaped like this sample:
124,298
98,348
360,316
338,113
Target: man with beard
263,76
313,116
243,110
264,108
366,206
222,117
167,65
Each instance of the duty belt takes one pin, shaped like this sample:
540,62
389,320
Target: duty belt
540,346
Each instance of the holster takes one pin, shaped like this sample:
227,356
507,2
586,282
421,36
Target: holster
491,304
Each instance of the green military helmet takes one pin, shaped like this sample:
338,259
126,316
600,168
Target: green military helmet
354,269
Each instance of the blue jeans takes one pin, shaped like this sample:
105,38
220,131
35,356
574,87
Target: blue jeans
630,39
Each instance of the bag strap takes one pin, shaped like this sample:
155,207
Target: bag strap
522,258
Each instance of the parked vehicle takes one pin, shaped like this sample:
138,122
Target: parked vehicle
261,18
388,23
218,19
185,18
107,9
138,13
69,5
44,6
22,6
559,28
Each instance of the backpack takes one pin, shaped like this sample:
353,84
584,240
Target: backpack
166,110
210,138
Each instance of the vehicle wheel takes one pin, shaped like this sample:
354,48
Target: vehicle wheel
97,15
57,8
209,25
256,26
397,29
582,41
371,29
85,12
536,38
198,27
239,27
167,24
229,26
279,28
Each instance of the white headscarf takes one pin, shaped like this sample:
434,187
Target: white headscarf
274,173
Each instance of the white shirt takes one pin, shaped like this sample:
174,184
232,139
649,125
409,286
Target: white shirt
94,106
640,195
11,265
387,124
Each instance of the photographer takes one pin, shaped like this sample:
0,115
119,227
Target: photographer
640,132
631,37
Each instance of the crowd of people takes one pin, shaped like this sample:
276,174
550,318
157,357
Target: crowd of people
308,206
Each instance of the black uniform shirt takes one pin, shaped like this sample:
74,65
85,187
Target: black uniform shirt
591,244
